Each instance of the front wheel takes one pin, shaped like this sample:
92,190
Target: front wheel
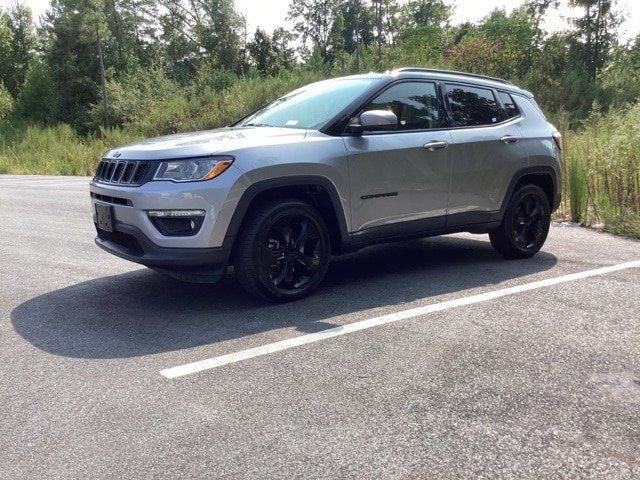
283,251
525,224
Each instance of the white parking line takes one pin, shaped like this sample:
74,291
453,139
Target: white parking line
189,368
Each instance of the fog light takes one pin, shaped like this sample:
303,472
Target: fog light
176,213
177,223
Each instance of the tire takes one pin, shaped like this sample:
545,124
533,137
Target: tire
525,224
274,259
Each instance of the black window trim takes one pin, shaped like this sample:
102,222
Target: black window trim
504,110
338,127
494,91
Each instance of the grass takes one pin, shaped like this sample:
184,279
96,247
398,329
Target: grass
603,171
55,150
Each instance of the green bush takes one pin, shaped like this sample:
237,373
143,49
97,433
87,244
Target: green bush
56,150
6,102
36,100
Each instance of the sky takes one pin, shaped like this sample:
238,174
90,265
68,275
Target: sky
269,14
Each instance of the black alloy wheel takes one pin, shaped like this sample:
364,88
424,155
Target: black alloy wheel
283,251
528,224
525,224
291,252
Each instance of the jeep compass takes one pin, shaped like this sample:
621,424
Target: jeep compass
328,169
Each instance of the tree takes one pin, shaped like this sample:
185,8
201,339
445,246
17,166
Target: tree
596,32
22,46
133,27
479,55
218,33
621,79
180,52
357,24
559,77
270,55
390,20
312,20
516,33
281,40
5,49
538,8
76,30
209,29
262,52
38,97
422,13
336,42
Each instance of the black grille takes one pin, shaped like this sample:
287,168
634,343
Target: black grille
110,199
122,172
128,173
123,239
141,172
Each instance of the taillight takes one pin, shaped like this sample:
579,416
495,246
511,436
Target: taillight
558,139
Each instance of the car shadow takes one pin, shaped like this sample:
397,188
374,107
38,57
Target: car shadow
143,312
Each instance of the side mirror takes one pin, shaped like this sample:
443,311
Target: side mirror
372,121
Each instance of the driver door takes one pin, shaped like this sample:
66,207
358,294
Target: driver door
400,178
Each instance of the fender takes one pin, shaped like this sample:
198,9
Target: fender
536,170
289,181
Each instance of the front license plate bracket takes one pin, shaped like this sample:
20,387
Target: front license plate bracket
104,216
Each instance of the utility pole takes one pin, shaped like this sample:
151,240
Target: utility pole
103,79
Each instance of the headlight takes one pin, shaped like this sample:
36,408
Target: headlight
193,169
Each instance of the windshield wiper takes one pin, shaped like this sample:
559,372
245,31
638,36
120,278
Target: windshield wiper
256,125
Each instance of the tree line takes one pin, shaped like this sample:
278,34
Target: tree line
84,58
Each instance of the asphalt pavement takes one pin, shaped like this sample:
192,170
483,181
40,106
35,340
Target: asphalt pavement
481,367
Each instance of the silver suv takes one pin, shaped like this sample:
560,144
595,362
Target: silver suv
330,168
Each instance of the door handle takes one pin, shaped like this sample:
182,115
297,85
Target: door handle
434,145
507,139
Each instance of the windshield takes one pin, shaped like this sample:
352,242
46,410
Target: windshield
310,106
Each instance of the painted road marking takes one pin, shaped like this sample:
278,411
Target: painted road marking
190,368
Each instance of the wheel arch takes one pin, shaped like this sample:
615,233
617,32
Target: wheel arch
317,190
544,177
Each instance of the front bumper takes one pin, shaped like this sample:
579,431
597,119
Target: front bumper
189,264
200,257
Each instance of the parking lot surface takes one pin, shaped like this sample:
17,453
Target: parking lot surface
490,368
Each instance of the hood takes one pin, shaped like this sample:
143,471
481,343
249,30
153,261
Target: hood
210,142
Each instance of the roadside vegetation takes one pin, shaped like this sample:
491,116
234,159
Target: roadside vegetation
177,65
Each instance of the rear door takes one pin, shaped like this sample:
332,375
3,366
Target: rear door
400,178
486,151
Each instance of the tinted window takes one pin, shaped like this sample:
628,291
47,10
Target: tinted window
509,105
469,106
414,103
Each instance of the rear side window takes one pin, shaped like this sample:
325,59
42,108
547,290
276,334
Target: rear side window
510,106
472,106
414,103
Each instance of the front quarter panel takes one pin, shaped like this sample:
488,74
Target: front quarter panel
317,155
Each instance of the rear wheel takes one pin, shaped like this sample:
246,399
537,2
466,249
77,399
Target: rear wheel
525,224
283,251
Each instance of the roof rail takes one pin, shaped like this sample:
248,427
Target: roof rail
453,72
